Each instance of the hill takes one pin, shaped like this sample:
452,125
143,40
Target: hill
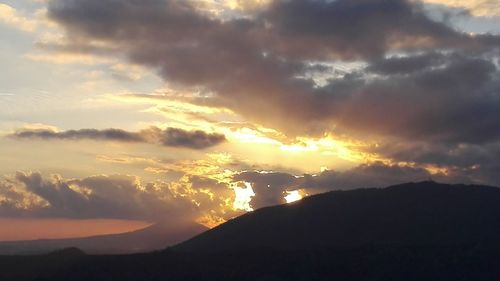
425,213
154,237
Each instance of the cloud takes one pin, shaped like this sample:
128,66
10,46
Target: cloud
227,8
439,102
407,64
108,134
271,187
112,197
11,17
253,64
187,190
180,138
204,192
67,58
479,8
172,137
472,162
319,30
368,175
416,80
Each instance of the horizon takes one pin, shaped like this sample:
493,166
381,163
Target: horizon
118,114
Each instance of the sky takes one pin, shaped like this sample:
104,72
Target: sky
125,113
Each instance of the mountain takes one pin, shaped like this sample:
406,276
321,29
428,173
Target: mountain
411,232
154,237
423,213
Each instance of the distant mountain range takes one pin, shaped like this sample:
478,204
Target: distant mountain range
154,237
411,232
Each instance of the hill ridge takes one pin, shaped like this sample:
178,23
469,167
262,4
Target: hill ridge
421,212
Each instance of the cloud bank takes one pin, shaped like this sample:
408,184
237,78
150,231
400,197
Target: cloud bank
193,197
114,197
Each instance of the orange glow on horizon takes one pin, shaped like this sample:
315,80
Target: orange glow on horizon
34,229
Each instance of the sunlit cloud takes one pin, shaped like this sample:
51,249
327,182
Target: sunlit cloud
479,8
225,9
179,109
129,71
11,17
68,58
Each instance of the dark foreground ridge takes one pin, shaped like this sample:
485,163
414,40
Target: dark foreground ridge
418,231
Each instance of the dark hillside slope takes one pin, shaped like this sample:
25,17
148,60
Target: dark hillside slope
425,213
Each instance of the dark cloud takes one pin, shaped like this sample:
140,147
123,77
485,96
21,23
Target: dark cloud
173,137
407,65
456,102
107,134
252,64
425,81
475,162
368,175
356,29
192,139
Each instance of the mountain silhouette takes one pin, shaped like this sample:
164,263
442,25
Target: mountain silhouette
410,214
411,232
155,237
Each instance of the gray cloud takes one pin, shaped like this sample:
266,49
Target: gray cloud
407,65
456,102
252,64
476,162
173,137
370,175
441,90
107,134
354,29
191,139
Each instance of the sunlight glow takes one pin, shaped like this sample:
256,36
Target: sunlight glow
243,197
293,196
345,149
